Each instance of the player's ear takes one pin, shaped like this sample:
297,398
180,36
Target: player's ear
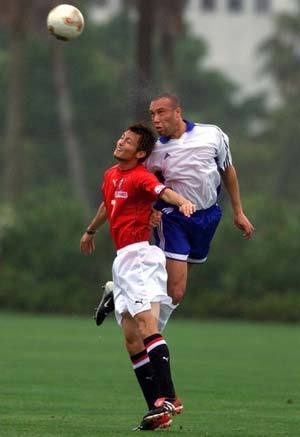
140,154
178,111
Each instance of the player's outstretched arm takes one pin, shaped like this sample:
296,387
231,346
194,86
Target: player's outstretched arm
231,183
185,206
87,242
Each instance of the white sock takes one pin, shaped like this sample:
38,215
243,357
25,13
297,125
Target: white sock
165,312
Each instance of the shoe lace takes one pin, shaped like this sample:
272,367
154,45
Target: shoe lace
169,407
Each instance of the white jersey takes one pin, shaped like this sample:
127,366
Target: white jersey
190,164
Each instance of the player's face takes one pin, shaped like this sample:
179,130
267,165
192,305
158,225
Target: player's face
165,117
126,147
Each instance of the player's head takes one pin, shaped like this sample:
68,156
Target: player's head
136,143
165,113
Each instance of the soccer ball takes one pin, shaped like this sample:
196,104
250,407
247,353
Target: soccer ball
65,22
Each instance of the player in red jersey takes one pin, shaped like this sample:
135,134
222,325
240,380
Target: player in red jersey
139,272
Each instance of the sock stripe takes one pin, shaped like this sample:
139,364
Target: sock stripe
155,343
140,359
140,362
138,355
159,355
151,338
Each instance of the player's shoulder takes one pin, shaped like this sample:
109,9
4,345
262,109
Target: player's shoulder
141,175
142,170
160,143
111,170
213,131
210,128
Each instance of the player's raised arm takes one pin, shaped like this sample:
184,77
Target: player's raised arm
87,242
230,181
185,206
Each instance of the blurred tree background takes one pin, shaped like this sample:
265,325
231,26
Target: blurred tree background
63,106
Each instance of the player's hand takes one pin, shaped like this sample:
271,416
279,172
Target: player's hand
87,244
242,222
187,208
155,218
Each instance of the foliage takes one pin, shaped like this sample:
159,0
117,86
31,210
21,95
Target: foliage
282,56
42,269
282,62
99,63
255,279
41,266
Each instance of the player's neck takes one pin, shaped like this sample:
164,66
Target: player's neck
127,165
181,128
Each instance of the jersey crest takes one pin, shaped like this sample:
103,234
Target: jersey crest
120,193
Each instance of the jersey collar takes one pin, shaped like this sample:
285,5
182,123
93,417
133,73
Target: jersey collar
189,127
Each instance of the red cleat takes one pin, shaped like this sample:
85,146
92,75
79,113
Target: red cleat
164,407
150,425
178,406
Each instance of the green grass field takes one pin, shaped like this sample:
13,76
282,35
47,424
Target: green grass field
63,376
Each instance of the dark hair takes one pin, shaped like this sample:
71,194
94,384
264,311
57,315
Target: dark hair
146,141
172,97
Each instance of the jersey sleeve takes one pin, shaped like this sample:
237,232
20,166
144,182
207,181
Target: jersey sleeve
149,183
224,158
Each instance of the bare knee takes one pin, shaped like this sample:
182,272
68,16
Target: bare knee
133,341
176,292
134,344
147,324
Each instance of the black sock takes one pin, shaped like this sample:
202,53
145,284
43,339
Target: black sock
145,375
160,359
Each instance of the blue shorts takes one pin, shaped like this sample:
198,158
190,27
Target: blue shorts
186,238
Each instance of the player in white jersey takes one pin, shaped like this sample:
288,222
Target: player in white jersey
192,159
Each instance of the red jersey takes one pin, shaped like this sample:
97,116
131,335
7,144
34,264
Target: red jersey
128,197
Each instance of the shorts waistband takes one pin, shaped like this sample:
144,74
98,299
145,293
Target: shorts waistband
132,246
209,208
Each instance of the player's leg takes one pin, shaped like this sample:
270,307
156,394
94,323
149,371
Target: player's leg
140,360
140,295
144,372
158,352
176,291
171,236
177,279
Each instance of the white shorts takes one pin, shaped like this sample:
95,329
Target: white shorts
140,277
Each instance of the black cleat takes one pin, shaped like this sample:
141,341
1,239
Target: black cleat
106,304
